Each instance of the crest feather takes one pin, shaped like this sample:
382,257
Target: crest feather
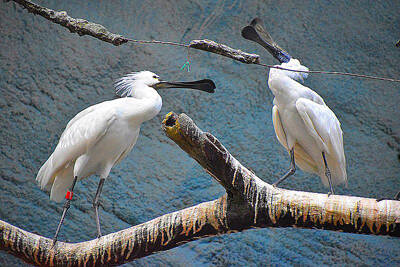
124,86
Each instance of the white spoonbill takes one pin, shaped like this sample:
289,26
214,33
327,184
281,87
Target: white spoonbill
303,123
100,136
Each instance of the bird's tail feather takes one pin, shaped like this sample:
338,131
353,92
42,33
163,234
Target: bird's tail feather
62,183
45,176
303,160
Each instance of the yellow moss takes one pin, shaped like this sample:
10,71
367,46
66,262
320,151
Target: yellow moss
172,131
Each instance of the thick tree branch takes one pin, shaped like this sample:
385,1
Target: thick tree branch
249,203
271,206
84,27
162,233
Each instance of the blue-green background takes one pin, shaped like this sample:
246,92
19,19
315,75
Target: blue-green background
47,75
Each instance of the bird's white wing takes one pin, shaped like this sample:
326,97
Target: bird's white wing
81,115
322,124
280,133
313,96
317,121
302,159
81,133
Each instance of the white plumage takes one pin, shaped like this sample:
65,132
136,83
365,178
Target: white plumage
100,136
304,122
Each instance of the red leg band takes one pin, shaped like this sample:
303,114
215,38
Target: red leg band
69,195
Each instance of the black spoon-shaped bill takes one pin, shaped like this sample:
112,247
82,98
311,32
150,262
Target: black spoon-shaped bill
205,85
255,32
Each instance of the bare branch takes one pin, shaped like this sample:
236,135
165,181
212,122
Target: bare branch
80,26
84,27
249,203
224,50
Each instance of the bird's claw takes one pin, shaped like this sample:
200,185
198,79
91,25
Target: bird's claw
53,242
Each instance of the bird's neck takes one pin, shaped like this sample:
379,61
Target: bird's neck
282,85
144,92
143,104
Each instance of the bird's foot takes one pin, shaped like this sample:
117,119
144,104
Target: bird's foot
330,193
274,185
99,235
54,241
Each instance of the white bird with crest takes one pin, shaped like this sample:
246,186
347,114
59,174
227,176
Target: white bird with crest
100,136
303,123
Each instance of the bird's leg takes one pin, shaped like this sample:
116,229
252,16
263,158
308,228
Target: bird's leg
96,206
291,171
328,175
67,204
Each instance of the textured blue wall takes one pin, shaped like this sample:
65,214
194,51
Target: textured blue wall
47,75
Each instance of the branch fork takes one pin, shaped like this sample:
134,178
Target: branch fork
249,203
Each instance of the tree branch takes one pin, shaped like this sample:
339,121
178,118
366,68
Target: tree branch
224,50
162,233
80,26
269,206
84,27
249,203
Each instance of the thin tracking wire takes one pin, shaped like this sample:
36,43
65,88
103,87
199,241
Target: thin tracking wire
277,67
334,73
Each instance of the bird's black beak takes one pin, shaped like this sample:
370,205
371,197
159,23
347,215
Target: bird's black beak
205,85
255,32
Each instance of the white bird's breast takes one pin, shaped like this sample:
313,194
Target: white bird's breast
119,138
294,126
110,149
